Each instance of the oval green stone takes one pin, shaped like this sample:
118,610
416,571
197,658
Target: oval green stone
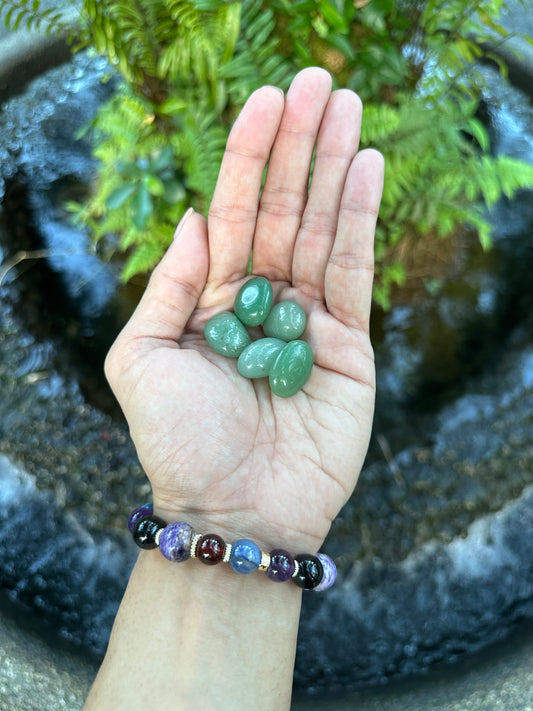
226,334
286,320
254,301
291,369
257,359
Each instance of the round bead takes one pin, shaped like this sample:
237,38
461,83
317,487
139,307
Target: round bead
226,334
281,566
310,571
257,359
330,572
286,320
291,369
136,515
175,541
245,556
210,549
254,301
145,531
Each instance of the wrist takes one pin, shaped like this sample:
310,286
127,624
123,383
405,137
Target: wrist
178,541
256,524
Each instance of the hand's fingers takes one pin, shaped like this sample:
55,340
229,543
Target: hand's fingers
337,145
233,210
350,270
174,287
285,192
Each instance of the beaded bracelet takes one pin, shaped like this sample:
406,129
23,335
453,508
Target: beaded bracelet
178,542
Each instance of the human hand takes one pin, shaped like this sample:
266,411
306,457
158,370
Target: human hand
222,452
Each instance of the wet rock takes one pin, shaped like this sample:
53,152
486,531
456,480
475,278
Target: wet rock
455,393
36,674
54,566
410,601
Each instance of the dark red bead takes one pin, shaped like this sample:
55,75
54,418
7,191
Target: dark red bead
145,531
310,571
210,549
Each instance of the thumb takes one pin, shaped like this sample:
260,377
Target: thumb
175,285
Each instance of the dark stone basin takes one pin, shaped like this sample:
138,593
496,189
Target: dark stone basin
435,547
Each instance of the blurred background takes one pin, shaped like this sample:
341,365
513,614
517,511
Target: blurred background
113,120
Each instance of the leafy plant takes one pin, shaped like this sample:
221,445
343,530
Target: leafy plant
189,65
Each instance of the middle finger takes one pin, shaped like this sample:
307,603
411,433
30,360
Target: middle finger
285,192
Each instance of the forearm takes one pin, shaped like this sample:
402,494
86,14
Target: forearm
189,636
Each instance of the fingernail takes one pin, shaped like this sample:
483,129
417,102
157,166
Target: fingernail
182,222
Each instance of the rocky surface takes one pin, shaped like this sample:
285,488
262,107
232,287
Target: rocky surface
434,549
37,675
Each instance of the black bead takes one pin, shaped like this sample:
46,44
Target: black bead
310,571
145,531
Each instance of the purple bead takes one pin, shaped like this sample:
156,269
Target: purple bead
175,541
281,566
136,515
330,572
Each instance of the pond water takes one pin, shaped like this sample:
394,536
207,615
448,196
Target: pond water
435,547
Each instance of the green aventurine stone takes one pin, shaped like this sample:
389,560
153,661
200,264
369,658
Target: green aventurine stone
226,334
257,359
291,369
286,321
254,301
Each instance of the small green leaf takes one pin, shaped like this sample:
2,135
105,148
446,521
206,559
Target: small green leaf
173,105
119,196
154,185
142,207
479,132
174,191
162,159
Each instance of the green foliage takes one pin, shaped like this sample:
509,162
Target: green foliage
31,15
189,65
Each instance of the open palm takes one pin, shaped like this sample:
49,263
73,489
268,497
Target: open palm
221,451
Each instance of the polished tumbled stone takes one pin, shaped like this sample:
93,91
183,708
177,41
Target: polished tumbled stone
226,334
330,572
281,567
175,541
254,301
257,359
286,320
245,556
292,369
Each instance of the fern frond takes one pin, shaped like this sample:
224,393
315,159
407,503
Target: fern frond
200,147
32,16
257,59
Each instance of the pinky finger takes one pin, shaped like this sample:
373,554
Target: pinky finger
350,270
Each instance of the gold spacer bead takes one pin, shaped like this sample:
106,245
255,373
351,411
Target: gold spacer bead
227,553
265,561
194,543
